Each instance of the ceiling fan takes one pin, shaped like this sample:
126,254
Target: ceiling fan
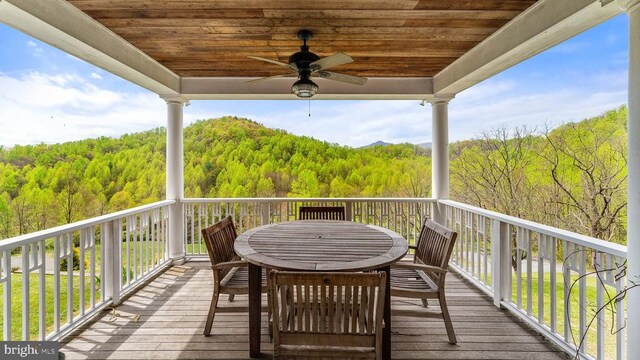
304,63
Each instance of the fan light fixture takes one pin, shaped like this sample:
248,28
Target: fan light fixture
304,88
304,63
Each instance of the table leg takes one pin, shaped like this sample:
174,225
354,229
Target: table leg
255,306
386,332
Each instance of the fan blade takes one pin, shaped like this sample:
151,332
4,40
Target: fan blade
267,78
355,80
336,59
272,62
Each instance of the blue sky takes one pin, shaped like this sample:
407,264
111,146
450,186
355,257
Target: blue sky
49,96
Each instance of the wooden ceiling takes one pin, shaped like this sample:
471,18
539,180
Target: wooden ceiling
386,38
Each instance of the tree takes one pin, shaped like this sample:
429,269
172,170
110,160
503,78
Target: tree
588,163
306,185
496,171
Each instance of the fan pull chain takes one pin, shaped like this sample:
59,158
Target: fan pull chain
309,107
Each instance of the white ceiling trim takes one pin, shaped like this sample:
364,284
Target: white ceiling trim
65,27
280,89
543,25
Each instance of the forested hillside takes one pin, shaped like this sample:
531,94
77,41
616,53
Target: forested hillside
46,185
573,177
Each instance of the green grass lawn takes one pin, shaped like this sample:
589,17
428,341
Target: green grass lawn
34,315
137,253
135,248
591,289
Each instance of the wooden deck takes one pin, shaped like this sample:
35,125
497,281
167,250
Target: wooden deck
172,310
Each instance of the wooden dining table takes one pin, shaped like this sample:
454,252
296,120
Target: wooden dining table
317,245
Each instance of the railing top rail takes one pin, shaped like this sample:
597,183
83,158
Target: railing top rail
583,240
240,200
20,240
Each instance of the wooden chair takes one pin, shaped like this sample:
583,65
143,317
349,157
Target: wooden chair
230,273
424,278
322,213
327,315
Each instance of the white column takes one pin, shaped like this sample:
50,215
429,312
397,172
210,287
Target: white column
440,154
633,181
175,177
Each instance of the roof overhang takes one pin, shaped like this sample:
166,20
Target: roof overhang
280,89
544,24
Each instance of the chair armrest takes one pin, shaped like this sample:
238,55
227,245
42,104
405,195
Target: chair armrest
229,265
414,266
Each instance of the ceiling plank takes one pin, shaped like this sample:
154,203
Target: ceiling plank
244,4
392,14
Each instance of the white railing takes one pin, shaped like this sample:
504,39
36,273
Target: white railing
553,279
402,215
553,286
78,269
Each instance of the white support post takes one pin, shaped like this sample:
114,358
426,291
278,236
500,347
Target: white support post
500,261
440,155
633,189
111,239
175,177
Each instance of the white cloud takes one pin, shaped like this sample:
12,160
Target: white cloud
55,108
96,76
37,49
38,107
471,114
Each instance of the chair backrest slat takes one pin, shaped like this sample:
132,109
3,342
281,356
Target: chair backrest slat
342,308
322,213
435,244
219,239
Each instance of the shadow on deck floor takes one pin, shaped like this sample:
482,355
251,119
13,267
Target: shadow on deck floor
172,309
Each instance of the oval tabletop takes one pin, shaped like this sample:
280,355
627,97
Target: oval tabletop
321,245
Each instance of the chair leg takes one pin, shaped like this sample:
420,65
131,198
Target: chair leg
425,302
447,319
212,313
269,314
231,297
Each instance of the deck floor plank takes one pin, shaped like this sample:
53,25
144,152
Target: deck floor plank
172,309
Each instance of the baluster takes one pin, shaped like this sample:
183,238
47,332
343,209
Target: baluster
600,266
81,277
69,251
25,292
103,257
92,268
127,257
542,254
620,320
527,239
582,284
5,279
56,283
519,241
41,290
567,296
553,285
147,221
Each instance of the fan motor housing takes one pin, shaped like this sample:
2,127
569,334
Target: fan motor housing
303,58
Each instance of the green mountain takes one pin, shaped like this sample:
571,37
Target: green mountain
572,177
45,185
